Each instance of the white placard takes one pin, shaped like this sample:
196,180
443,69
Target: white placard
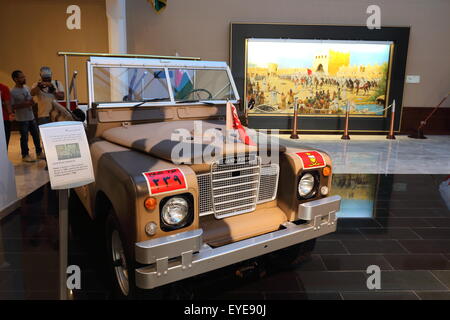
68,156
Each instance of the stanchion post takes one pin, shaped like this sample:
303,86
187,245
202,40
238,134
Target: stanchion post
419,134
346,136
63,241
391,135
74,88
66,80
294,134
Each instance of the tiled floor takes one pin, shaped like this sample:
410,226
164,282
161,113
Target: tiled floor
363,154
29,176
375,154
408,237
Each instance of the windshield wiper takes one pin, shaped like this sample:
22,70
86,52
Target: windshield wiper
193,101
140,103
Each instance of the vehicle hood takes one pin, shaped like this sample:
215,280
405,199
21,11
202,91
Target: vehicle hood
162,139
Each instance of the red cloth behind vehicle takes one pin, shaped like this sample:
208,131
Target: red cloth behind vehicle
73,104
6,96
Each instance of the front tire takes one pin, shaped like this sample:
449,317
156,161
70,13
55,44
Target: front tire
121,268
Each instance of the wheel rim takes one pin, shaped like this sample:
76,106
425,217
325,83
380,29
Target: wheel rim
120,263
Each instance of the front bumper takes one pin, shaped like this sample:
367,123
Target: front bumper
184,255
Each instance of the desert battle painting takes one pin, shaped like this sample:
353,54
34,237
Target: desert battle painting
324,77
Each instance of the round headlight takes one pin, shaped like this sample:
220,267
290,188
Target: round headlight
306,185
175,211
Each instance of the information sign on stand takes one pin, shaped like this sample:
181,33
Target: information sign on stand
69,166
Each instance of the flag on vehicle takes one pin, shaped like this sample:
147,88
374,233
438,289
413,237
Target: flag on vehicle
233,122
183,85
178,77
158,5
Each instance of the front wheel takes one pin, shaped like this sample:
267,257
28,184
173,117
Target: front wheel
119,264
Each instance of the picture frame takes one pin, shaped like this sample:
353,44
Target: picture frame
241,33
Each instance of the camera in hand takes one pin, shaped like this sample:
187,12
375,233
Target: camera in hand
49,85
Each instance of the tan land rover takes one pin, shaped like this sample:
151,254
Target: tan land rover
177,191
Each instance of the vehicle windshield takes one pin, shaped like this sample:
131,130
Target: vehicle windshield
142,85
115,84
200,85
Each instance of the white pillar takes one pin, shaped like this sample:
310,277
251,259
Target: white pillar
117,37
117,25
8,192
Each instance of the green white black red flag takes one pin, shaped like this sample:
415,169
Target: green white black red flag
158,5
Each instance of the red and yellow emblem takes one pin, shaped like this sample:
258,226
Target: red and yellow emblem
165,181
312,159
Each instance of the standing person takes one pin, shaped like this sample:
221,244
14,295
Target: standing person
290,98
46,90
274,93
22,104
8,115
283,101
262,99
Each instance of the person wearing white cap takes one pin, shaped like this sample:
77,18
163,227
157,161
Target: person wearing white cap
46,90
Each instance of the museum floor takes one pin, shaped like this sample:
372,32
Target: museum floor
376,154
403,226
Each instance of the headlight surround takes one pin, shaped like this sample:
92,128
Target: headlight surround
176,212
307,185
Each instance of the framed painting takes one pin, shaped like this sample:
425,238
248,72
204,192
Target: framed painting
324,70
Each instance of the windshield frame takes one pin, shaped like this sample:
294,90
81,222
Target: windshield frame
166,65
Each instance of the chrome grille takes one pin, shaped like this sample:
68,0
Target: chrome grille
204,185
235,188
268,182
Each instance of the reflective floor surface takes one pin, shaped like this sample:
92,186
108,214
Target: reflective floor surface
400,223
29,176
374,154
363,154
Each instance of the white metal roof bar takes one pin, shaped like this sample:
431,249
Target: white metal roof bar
123,55
127,62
